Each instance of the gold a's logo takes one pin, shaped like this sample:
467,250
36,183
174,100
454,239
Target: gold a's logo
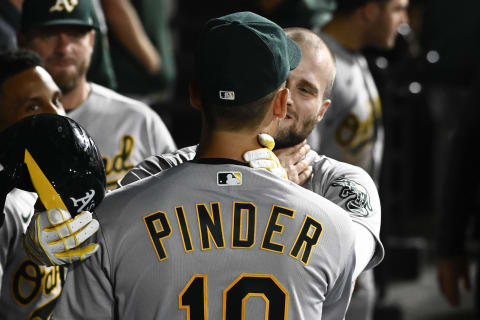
67,5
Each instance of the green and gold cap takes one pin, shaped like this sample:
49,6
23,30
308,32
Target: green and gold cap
242,57
40,13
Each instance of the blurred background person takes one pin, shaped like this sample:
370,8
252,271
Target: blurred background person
102,69
352,130
9,23
142,47
458,232
308,14
26,89
452,34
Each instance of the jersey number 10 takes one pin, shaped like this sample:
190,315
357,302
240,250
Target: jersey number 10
193,297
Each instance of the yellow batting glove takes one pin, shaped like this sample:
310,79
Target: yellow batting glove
265,158
54,238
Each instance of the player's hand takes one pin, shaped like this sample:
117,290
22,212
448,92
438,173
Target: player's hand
450,273
54,238
264,157
296,162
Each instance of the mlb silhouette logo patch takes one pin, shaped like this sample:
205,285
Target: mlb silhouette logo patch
229,178
227,95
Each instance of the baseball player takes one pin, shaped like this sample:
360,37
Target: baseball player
185,244
50,162
126,131
26,89
348,186
352,130
30,288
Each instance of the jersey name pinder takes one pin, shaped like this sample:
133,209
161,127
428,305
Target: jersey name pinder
243,226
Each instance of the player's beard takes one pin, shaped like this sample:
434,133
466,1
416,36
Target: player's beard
288,137
68,81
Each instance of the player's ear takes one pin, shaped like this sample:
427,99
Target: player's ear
92,36
195,100
326,103
280,103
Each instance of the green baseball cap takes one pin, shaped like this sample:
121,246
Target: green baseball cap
40,13
243,57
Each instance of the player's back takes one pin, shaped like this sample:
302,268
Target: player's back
225,240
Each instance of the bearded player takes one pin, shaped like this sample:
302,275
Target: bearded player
125,130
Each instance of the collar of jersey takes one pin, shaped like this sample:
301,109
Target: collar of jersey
219,161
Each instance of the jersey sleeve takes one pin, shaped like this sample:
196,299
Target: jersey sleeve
9,232
157,163
88,292
353,189
17,216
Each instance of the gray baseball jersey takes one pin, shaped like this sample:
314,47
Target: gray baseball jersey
348,186
28,291
351,130
217,240
126,131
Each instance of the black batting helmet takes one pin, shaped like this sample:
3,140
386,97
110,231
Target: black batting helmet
62,151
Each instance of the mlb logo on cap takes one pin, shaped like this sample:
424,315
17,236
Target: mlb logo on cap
227,95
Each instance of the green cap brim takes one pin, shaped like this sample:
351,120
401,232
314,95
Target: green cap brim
294,53
67,22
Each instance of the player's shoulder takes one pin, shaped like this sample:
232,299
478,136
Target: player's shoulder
19,207
317,205
342,183
136,198
112,98
351,188
329,169
157,163
331,217
172,159
144,186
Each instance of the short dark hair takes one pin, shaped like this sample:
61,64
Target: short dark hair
349,6
15,61
231,118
